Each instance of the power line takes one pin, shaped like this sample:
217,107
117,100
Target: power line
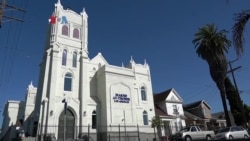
9,56
6,7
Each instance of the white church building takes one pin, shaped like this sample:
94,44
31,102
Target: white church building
78,96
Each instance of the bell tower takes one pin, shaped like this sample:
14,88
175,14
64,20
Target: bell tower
68,28
63,76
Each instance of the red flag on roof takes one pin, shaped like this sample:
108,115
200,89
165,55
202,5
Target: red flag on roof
52,19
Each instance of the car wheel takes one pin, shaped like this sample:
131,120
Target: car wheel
208,138
245,136
188,138
231,137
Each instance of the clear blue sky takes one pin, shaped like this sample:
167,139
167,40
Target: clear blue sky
160,31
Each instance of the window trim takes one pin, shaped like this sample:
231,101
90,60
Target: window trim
67,82
65,30
145,117
143,93
94,120
74,60
76,33
64,57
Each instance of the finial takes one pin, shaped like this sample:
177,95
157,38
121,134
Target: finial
122,65
59,2
84,12
145,62
31,85
131,60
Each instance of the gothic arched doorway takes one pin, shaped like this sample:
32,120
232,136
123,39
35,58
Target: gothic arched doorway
67,122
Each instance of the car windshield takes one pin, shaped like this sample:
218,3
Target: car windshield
224,130
185,129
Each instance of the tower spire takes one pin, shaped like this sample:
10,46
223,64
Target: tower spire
59,2
131,60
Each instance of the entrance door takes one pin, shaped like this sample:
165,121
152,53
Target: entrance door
67,122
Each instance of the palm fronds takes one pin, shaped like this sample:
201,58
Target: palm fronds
237,30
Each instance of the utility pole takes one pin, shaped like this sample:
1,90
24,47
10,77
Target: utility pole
238,94
5,7
64,118
124,119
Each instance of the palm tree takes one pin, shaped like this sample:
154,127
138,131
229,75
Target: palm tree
238,28
211,46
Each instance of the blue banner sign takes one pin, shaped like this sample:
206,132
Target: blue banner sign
121,98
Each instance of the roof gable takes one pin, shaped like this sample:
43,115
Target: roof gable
196,105
169,95
99,59
162,113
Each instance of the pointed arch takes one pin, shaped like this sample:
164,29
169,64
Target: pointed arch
64,57
74,63
65,30
70,125
94,119
143,93
145,117
68,82
76,33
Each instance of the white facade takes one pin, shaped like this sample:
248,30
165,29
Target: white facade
17,113
172,115
12,118
77,92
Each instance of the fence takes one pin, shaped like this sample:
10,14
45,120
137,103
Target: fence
102,133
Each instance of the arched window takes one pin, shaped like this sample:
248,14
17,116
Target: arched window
65,30
64,57
145,118
94,120
74,59
68,82
143,94
76,33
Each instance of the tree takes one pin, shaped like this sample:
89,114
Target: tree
211,46
234,102
240,22
247,113
156,123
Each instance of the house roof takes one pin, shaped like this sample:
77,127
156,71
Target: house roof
161,113
221,116
159,97
192,116
195,105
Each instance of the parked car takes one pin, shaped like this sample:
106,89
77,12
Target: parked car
194,133
233,132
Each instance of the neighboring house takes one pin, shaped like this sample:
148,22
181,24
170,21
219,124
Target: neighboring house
199,113
219,119
168,106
